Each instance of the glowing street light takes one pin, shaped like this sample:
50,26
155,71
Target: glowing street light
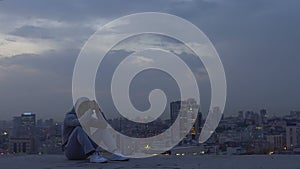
147,147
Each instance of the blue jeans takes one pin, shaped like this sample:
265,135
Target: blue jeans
79,145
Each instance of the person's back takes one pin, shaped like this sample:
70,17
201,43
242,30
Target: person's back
69,124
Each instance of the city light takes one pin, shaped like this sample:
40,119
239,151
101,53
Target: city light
256,138
5,133
147,147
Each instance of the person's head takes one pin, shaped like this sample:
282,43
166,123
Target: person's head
82,105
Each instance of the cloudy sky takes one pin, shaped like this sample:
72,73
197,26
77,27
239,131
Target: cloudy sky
258,43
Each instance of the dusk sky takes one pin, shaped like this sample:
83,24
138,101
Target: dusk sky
258,43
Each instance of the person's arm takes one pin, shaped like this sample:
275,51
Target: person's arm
100,122
89,120
97,123
71,120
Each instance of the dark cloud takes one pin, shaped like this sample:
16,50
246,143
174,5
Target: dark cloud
257,41
80,10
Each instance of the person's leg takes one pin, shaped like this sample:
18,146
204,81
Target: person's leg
105,136
79,145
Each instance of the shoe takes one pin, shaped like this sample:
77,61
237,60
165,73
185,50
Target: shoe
97,158
118,157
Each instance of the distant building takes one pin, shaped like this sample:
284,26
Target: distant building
24,138
28,119
249,118
241,115
187,110
295,114
17,127
4,140
22,145
229,136
277,142
49,122
40,123
263,116
174,110
198,126
292,136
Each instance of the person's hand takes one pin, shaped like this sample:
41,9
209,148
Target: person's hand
86,117
94,105
100,121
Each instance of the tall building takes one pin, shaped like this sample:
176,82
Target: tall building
197,126
28,119
187,110
17,127
174,110
248,115
276,142
292,136
241,115
263,116
23,138
252,118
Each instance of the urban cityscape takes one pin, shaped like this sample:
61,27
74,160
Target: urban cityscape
164,84
246,133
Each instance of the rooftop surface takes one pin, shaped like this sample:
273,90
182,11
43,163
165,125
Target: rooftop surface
160,162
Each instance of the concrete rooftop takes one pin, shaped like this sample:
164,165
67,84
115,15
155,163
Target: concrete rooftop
160,162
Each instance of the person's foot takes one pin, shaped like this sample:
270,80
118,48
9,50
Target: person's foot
118,157
97,158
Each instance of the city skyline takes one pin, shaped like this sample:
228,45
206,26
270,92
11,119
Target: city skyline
245,133
271,114
168,116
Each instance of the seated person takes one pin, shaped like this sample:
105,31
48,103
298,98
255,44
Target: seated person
77,144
